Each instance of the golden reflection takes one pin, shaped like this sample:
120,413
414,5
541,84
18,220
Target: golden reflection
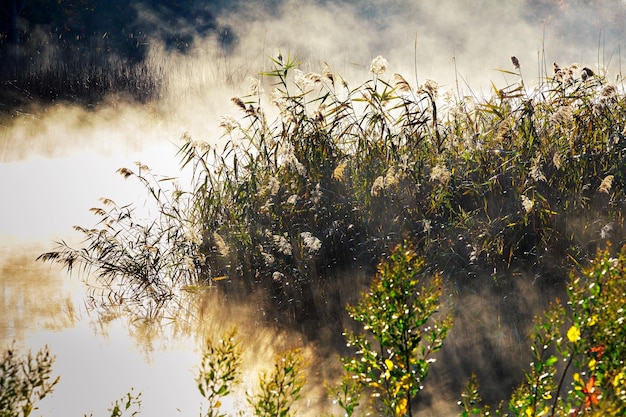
33,296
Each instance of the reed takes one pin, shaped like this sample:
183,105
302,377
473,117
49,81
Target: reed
317,177
48,70
523,180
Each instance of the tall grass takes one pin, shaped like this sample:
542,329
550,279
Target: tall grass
145,266
524,180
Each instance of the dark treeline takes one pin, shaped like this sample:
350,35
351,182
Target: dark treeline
123,27
80,50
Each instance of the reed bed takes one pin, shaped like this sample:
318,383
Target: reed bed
525,180
47,70
318,177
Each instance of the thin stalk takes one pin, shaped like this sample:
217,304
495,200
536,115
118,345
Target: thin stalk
558,389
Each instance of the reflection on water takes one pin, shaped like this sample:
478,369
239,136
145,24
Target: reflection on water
96,370
97,362
51,172
34,298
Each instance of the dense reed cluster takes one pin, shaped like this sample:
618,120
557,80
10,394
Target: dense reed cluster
524,179
318,177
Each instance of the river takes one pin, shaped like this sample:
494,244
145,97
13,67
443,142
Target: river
54,165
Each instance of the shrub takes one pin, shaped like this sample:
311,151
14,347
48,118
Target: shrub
399,332
219,370
279,390
581,345
24,381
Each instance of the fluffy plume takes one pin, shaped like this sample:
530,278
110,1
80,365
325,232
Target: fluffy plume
401,84
527,204
379,65
228,123
239,103
340,174
254,86
515,62
606,184
441,174
311,243
378,186
431,88
326,72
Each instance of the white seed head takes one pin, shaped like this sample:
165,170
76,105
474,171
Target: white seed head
379,65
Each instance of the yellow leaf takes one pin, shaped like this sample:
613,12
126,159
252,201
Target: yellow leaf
592,364
573,334
401,408
221,278
577,378
389,364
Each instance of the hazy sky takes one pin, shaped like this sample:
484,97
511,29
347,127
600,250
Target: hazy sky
480,35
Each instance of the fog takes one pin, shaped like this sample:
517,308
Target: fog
437,40
56,160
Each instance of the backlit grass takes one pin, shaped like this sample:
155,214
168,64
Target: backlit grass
318,176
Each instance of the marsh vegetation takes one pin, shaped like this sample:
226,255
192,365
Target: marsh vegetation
351,240
318,179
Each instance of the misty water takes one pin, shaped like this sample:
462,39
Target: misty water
53,170
55,165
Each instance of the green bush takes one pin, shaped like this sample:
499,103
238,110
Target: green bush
220,372
24,380
279,390
399,332
578,348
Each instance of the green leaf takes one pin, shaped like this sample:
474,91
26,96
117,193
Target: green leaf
551,360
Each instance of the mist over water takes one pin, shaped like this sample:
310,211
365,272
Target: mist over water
57,160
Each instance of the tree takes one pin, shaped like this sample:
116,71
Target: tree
393,354
11,10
